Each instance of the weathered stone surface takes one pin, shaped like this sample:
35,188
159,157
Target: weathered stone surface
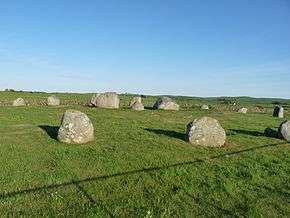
53,100
204,107
284,130
137,106
76,128
165,103
106,100
135,99
19,102
278,111
205,131
243,110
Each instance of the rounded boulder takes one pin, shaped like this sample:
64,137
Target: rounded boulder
137,106
205,131
76,128
284,130
243,110
166,103
204,107
53,100
134,100
19,102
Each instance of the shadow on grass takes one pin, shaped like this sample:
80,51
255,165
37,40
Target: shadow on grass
50,130
267,133
149,108
169,133
77,183
247,132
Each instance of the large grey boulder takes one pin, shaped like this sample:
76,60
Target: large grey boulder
166,103
19,102
204,107
106,100
76,128
137,106
278,111
284,130
205,131
243,110
53,100
135,99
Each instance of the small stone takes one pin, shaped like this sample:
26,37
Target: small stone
53,100
243,110
166,103
137,106
19,102
135,99
204,107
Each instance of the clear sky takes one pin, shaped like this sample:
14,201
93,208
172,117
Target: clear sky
179,47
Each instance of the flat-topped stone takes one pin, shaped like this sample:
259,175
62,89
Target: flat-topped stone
106,100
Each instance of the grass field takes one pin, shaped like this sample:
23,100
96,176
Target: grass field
139,164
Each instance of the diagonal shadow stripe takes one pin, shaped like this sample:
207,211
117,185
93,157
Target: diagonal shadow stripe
91,200
4,195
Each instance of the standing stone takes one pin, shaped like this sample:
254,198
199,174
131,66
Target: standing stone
19,102
53,100
137,106
284,130
243,110
278,111
204,107
76,128
205,131
135,99
166,103
106,100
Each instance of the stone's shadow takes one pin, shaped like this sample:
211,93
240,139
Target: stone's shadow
169,133
247,132
271,133
148,108
50,130
268,132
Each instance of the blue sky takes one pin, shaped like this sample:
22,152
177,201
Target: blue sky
178,47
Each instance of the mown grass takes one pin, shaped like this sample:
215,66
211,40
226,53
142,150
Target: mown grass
139,165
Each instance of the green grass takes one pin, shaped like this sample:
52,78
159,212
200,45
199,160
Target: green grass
139,165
